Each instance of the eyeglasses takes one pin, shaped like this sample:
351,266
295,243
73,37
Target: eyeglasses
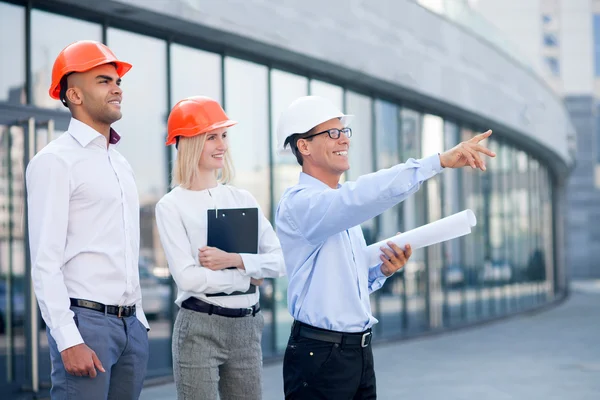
333,133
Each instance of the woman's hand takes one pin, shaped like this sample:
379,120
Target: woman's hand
216,259
256,282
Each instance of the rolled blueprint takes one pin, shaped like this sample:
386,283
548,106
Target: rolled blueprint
451,227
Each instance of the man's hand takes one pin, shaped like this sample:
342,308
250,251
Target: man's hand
467,153
80,360
216,259
394,258
256,282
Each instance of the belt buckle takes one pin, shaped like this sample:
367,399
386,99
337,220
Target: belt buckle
249,311
366,339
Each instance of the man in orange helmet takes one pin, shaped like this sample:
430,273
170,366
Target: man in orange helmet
84,236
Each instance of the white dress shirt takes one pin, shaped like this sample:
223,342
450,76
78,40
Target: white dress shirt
182,226
83,228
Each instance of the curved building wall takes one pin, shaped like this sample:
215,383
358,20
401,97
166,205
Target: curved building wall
416,82
399,48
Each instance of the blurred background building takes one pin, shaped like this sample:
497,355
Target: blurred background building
562,40
419,76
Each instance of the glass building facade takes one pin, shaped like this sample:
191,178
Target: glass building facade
505,266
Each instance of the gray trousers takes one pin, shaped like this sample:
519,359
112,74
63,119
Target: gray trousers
217,356
121,344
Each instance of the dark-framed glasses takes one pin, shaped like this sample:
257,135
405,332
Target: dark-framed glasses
333,133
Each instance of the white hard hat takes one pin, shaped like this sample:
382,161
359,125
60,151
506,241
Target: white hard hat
304,114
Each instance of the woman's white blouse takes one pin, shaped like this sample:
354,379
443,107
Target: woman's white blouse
181,220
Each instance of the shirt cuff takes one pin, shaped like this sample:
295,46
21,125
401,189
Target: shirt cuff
376,273
251,267
66,336
433,163
376,278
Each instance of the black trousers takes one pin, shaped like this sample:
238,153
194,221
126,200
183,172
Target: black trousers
314,369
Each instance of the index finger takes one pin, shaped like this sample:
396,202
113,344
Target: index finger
481,136
397,249
482,149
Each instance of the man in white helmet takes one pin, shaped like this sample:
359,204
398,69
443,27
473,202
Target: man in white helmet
318,223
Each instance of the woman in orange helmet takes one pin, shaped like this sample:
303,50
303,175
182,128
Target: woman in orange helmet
217,333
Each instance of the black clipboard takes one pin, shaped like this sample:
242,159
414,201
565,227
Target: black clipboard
234,230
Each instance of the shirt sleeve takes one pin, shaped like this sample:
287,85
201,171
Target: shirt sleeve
318,214
268,263
187,272
48,196
376,278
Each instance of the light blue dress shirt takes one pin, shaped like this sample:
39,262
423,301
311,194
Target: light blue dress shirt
323,244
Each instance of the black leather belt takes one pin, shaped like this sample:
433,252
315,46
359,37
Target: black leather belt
119,311
198,305
362,339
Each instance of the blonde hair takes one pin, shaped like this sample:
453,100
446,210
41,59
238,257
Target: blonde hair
185,167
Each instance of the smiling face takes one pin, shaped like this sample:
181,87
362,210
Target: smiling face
95,95
325,158
213,152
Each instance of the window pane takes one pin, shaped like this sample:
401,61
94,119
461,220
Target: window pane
194,73
390,298
554,65
506,164
522,201
472,244
497,266
432,142
596,23
361,147
411,129
13,278
548,229
410,148
388,155
247,102
550,40
246,95
12,43
143,132
414,215
333,93
454,273
50,33
285,88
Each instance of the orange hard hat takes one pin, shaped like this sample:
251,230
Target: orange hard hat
194,116
80,57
